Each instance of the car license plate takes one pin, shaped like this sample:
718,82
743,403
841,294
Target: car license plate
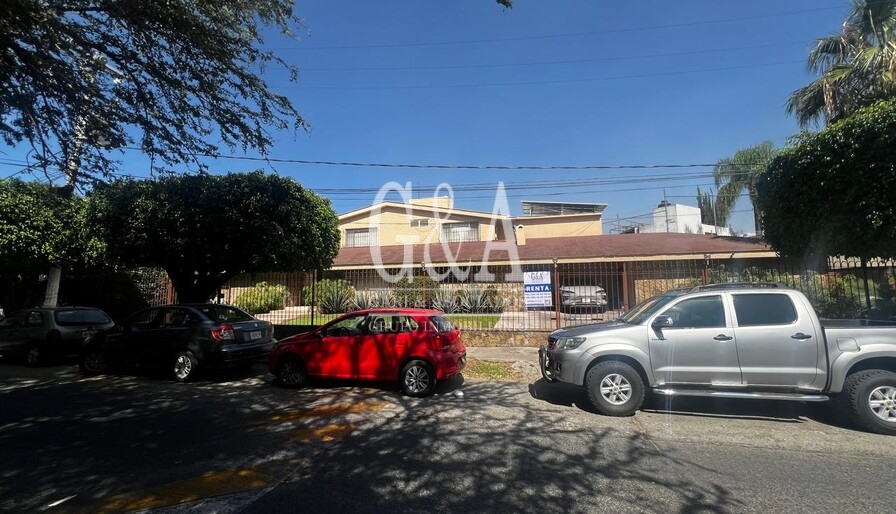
255,334
87,333
586,300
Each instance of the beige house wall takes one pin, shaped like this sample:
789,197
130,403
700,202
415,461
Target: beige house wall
394,225
560,226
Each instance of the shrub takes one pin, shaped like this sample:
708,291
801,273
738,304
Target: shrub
262,297
410,293
333,290
495,299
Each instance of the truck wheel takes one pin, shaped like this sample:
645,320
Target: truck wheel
871,397
615,388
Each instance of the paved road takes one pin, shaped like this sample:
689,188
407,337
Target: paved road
235,443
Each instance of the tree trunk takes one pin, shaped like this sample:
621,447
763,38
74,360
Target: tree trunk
51,296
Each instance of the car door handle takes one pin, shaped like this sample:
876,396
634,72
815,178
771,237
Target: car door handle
722,337
801,336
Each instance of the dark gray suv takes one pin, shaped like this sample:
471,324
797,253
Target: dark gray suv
43,331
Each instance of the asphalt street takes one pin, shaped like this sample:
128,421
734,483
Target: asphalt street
236,443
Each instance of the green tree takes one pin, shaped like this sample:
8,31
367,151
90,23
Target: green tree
166,75
855,68
832,193
40,226
205,229
738,173
707,207
79,78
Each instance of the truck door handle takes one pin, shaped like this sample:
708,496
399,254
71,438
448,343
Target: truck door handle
801,336
722,337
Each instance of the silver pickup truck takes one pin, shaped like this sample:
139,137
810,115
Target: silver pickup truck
760,341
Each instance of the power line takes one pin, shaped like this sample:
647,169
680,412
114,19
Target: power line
570,34
542,63
546,82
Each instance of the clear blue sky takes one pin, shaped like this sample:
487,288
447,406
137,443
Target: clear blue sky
559,83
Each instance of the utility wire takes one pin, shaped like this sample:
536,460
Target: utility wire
572,34
546,82
542,63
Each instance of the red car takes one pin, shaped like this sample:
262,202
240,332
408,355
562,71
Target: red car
417,347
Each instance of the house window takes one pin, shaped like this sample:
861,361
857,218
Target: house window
460,232
361,237
420,223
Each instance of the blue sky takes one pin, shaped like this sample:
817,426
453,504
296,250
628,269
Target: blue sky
559,83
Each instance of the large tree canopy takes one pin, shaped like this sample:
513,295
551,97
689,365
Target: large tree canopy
856,67
832,193
205,229
169,75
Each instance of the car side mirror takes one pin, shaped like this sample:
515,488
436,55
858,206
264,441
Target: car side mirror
662,322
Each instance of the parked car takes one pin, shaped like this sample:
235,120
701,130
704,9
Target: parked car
583,299
183,338
416,347
752,341
49,331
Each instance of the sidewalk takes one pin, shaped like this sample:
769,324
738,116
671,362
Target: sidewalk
503,353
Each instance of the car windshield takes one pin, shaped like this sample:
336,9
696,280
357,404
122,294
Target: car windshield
645,309
81,317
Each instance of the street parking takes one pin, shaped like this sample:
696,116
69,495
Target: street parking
233,442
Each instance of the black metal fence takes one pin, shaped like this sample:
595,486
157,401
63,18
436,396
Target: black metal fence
497,298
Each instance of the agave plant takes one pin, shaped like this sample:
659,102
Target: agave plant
385,299
445,301
335,301
365,300
474,300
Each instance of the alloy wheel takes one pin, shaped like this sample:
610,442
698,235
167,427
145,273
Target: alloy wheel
615,389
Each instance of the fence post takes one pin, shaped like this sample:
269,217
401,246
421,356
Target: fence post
313,294
556,292
706,269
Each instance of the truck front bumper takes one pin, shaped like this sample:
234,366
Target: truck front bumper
558,365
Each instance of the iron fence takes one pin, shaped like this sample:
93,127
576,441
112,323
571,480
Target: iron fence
579,292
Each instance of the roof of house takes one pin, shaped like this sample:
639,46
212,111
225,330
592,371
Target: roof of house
415,209
607,248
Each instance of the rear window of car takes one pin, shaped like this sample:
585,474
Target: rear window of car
225,314
442,324
763,309
81,317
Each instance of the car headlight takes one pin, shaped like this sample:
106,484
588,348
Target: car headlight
569,343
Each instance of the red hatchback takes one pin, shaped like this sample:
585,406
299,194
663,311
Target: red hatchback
417,347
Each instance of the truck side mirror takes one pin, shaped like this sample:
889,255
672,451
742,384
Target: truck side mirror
662,322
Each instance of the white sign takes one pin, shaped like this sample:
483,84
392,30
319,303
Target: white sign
537,287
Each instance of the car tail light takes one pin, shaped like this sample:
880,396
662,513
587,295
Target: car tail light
223,333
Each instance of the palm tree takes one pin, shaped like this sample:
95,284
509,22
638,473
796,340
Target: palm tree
740,172
856,67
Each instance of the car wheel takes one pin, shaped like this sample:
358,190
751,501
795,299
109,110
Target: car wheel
184,366
615,388
291,372
871,398
34,355
93,362
417,379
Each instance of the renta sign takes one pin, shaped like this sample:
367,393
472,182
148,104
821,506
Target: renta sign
537,289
